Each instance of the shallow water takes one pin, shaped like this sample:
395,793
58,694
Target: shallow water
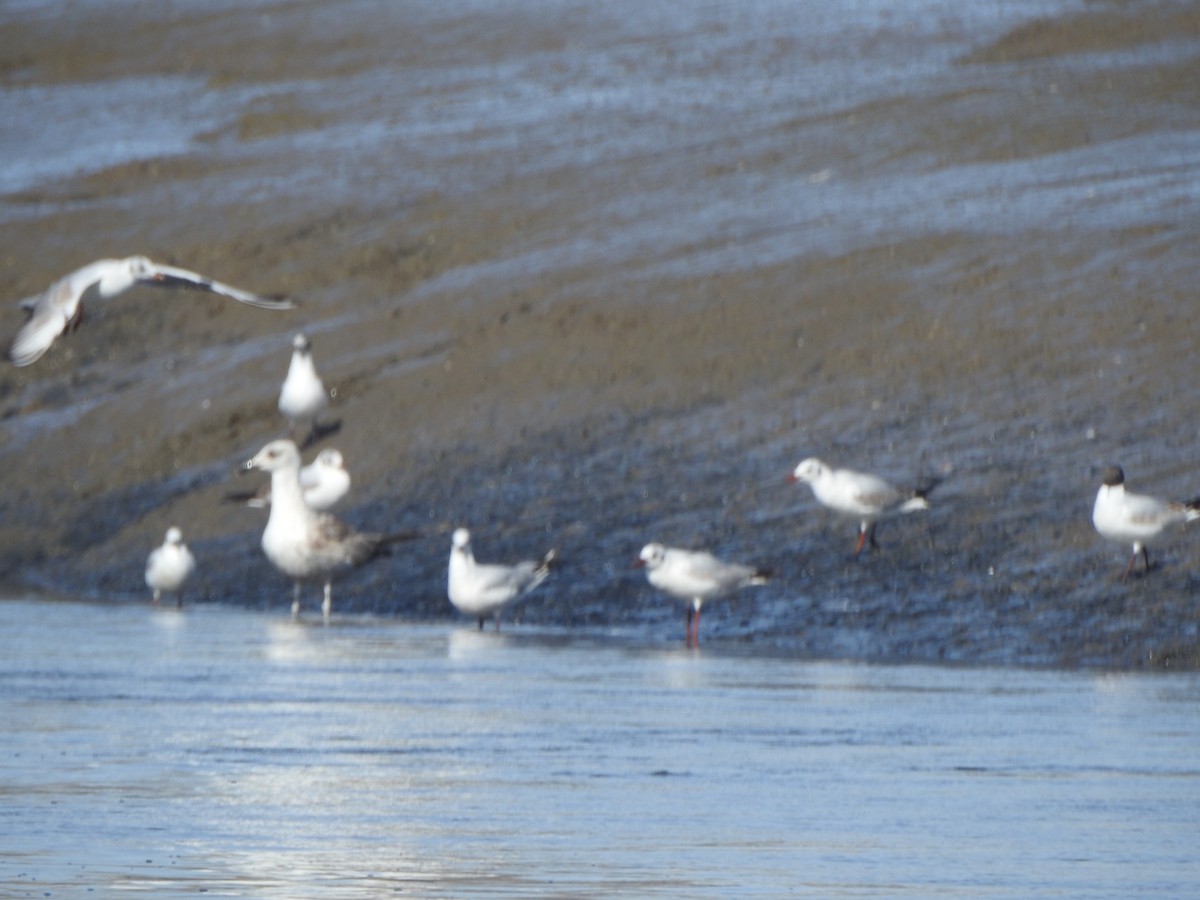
237,753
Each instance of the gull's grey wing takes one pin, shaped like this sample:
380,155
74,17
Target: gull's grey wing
877,493
172,276
708,567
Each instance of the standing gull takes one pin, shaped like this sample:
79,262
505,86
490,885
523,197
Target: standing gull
324,482
304,544
60,307
1136,519
858,495
483,590
302,397
169,566
695,577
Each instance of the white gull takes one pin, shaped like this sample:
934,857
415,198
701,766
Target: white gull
169,566
324,483
302,397
695,577
858,495
483,590
60,306
1127,518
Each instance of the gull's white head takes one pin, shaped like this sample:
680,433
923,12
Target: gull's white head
809,470
301,344
174,536
652,556
140,267
331,459
122,274
276,455
461,539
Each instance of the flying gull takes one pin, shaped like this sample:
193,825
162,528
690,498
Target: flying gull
60,307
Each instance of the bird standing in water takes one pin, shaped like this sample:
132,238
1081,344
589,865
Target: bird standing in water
169,566
485,589
695,577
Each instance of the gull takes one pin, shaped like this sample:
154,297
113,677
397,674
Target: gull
483,590
695,577
323,482
1137,519
858,495
60,307
302,543
302,397
169,566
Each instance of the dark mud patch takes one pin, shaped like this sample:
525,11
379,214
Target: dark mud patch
524,341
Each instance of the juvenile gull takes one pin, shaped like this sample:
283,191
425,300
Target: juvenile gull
60,307
860,496
1136,519
169,566
302,397
695,577
304,544
324,482
483,590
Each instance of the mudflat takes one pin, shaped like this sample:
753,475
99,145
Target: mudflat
590,277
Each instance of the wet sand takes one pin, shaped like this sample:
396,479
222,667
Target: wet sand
560,310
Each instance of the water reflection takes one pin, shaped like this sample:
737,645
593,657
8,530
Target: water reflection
222,750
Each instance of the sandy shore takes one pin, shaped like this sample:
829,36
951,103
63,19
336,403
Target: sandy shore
520,341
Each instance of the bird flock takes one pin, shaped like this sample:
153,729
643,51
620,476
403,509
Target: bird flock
307,543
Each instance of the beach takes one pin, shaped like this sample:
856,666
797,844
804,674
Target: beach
588,277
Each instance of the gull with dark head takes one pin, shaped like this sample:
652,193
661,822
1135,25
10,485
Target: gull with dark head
485,589
1127,518
304,544
169,566
303,397
60,307
859,496
695,577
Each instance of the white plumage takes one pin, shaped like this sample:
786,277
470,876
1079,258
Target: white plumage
302,397
858,495
304,544
1127,518
482,590
60,306
169,566
695,577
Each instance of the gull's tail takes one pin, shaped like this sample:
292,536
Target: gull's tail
920,494
1191,510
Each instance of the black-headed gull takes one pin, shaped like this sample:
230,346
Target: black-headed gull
302,543
483,590
1136,519
324,483
302,397
169,566
859,496
60,306
695,577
